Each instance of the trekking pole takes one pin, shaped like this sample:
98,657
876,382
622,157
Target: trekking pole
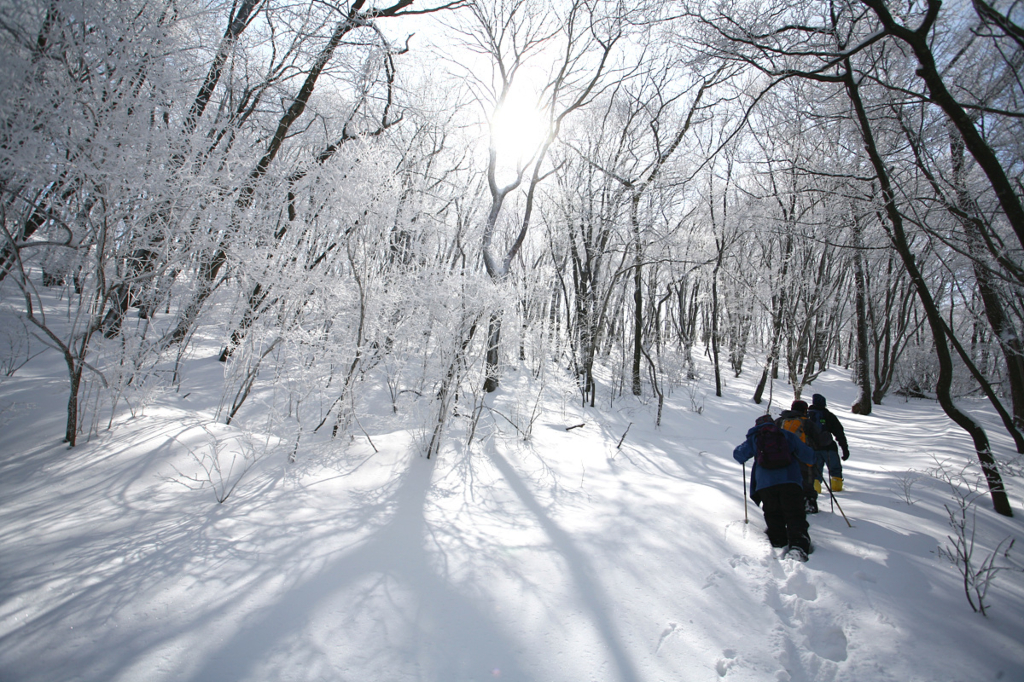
746,519
836,502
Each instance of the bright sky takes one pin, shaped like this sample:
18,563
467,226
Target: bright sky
518,127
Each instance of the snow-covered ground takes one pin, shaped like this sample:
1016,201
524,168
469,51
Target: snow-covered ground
558,558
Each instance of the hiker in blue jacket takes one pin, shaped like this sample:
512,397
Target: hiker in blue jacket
779,490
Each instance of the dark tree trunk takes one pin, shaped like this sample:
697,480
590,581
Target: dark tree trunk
863,403
714,316
1004,332
638,297
779,302
945,379
493,372
75,373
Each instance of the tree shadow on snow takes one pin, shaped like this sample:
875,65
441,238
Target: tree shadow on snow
373,598
430,626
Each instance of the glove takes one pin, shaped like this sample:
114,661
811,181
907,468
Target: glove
846,455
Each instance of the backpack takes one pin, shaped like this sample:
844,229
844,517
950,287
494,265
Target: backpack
798,426
825,441
772,449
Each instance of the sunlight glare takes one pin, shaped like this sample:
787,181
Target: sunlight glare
518,129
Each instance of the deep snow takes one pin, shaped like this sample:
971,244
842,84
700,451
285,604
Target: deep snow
558,558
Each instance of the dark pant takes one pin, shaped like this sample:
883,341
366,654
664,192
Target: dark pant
831,458
784,515
810,494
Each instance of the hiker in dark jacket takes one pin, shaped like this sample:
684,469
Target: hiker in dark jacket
795,419
830,431
779,490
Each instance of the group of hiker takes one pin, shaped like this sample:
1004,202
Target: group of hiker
790,455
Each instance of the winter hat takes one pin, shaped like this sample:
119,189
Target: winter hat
763,419
818,400
798,406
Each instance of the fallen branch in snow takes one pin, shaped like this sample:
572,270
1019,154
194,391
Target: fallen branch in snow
375,450
500,414
576,426
623,437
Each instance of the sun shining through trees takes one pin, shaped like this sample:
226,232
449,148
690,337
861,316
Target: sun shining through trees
518,128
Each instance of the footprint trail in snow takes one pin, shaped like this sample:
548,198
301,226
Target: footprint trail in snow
809,640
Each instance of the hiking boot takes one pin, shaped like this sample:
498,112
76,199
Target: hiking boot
811,506
817,486
837,484
796,553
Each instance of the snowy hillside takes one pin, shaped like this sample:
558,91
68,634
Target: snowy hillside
562,557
